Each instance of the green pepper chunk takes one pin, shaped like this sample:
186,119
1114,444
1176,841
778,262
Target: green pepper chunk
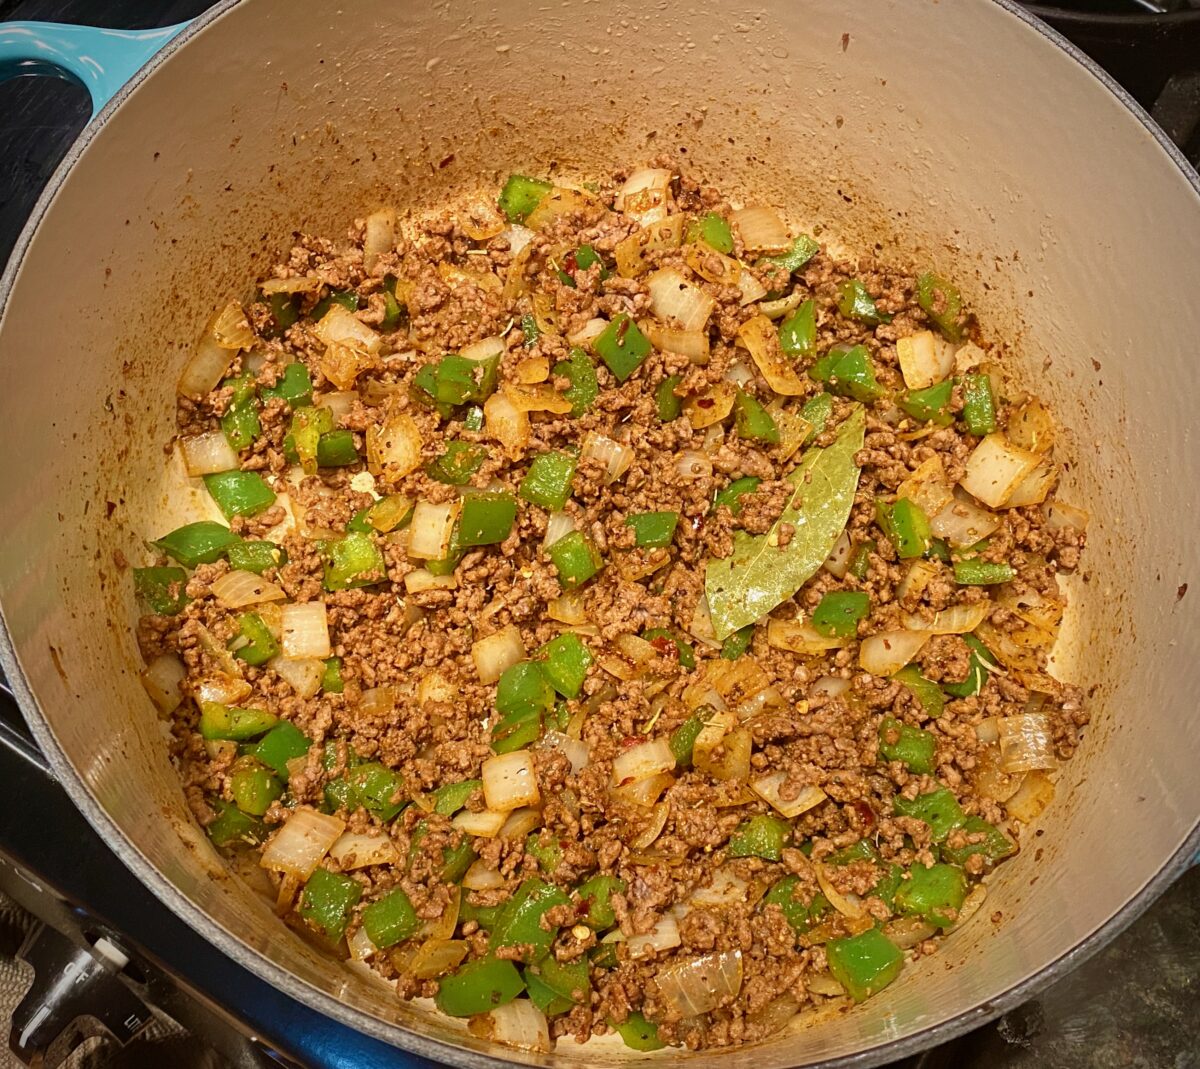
939,549
486,518
713,230
931,405
847,370
580,260
568,979
637,1033
975,572
579,370
927,692
348,299
597,892
284,310
977,672
219,721
239,493
478,987
737,643
451,797
622,346
457,464
240,422
523,690
902,742
604,955
660,637
390,512
939,809
547,854
484,916
233,827
854,302
331,678
683,739
303,439
456,859
162,589
859,563
576,558
391,919
864,964
565,662
253,786
258,644
354,560
460,380
731,496
935,893
359,524
653,530
378,789
544,997
802,250
942,303
817,411
798,331
294,386
993,844
667,402
335,449
839,613
530,330
255,557
393,312
799,914
447,564
516,732
760,836
752,421
521,195
548,480
283,743
196,543
906,526
327,900
979,404
520,922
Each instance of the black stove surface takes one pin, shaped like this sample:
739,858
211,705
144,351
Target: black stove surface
1131,1005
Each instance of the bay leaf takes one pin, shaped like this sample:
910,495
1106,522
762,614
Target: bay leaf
760,574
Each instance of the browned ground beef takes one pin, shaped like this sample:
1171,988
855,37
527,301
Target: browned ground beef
458,284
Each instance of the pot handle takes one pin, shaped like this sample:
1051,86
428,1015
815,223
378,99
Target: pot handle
102,60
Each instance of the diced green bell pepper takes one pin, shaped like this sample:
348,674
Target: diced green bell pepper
520,922
977,673
864,964
569,979
547,853
327,899
935,893
597,892
667,402
255,557
979,404
902,742
579,370
622,346
516,732
240,422
713,230
800,915
484,916
544,997
331,678
817,411
906,525
456,859
931,405
752,421
283,743
348,299
391,919
335,449
458,463
760,836
253,786
486,518
854,302
530,330
523,690
196,543
580,260
939,809
576,559
285,310
975,572
653,530
737,643
354,560
294,386
393,313
303,439
219,721
847,370
941,301
927,692
839,613
233,827
451,797
683,739
548,480
521,195
258,645
164,590
798,331
566,660
378,789
731,496
994,846
859,564
638,1034
478,987
802,250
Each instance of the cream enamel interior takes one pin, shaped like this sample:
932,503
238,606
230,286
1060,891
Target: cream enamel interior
949,133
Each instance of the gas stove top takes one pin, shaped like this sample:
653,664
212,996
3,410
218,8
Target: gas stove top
162,996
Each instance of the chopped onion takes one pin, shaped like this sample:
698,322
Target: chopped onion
208,453
419,580
301,842
506,423
575,750
1032,797
379,236
1060,515
615,457
436,957
644,195
541,397
482,877
775,1015
492,655
907,932
962,522
643,792
309,284
886,653
518,1024
484,349
996,468
342,364
847,905
677,301
378,703
834,686
1025,743
767,698
161,678
232,329
568,609
968,356
354,850
1022,649
360,946
237,589
305,631
761,229
1035,487
559,203
223,689
713,266
701,628
510,781
758,334
801,637
838,561
956,620
824,984
485,824
752,289
726,888
767,788
734,762
586,335
653,827
690,343
925,359
633,253
778,309
642,761
394,446
691,464
340,326
518,237
304,676
990,782
521,822
558,525
928,487
918,576
711,407
1032,427
205,368
663,936
339,402
702,984
431,529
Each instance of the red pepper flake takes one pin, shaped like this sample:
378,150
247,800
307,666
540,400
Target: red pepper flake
629,740
664,646
622,330
570,265
865,813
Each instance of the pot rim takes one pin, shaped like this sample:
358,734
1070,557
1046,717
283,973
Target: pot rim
398,1035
